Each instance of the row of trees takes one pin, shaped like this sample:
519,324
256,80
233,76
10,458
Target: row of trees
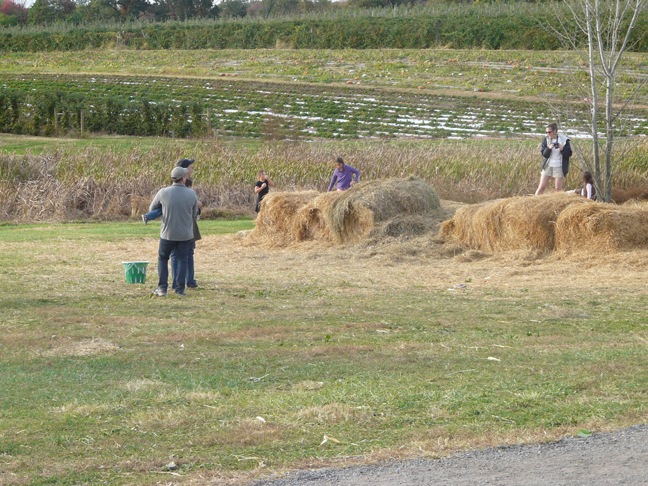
16,12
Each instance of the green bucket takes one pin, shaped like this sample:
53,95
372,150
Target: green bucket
135,272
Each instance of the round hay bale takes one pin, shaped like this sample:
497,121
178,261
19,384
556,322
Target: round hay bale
275,221
512,223
310,221
621,196
352,215
602,228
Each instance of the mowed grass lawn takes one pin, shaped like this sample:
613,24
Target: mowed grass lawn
295,358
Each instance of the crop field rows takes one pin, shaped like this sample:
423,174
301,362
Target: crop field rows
246,108
524,72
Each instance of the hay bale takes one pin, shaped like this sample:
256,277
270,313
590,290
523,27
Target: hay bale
512,223
408,224
602,228
275,222
310,221
621,196
353,214
390,206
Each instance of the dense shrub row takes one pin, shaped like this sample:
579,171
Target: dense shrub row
24,113
471,30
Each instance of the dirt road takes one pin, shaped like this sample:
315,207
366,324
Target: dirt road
619,458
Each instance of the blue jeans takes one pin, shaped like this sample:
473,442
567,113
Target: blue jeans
156,213
191,279
181,249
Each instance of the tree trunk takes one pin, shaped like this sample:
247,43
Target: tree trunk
609,135
593,103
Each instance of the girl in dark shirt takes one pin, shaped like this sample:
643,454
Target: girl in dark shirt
261,188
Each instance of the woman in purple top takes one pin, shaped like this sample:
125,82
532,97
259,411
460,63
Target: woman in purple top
343,175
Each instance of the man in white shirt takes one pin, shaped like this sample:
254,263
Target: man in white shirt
556,151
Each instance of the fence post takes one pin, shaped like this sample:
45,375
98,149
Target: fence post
209,130
56,130
82,120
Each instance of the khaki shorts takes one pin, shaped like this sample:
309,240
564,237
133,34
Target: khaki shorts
555,172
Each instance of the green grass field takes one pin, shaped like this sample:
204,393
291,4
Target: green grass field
385,356
516,73
293,358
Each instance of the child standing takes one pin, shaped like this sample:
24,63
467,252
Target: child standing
261,188
343,176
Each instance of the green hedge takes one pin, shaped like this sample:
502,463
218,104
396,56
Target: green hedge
506,31
24,113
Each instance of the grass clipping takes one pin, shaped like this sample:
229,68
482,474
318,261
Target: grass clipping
376,208
557,221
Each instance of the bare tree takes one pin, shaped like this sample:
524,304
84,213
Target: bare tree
602,31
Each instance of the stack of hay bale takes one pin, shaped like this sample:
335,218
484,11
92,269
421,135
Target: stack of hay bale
377,208
558,221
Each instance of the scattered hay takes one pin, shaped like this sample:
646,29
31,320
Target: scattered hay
308,385
512,223
471,256
602,227
82,348
142,384
332,413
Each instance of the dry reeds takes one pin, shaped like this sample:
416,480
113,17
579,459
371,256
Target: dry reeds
602,228
510,224
100,182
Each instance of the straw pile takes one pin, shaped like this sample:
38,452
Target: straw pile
377,208
602,228
373,204
275,221
310,222
621,196
512,223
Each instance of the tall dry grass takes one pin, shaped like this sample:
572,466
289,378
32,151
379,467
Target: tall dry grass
103,183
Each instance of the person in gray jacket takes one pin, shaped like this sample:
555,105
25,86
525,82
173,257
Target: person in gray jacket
179,209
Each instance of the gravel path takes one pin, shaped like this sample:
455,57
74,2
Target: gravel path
618,458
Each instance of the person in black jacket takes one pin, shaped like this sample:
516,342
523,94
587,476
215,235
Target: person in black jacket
556,151
261,188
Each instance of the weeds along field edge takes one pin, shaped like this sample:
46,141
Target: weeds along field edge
100,183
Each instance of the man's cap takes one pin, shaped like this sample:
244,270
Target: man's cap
185,163
178,173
